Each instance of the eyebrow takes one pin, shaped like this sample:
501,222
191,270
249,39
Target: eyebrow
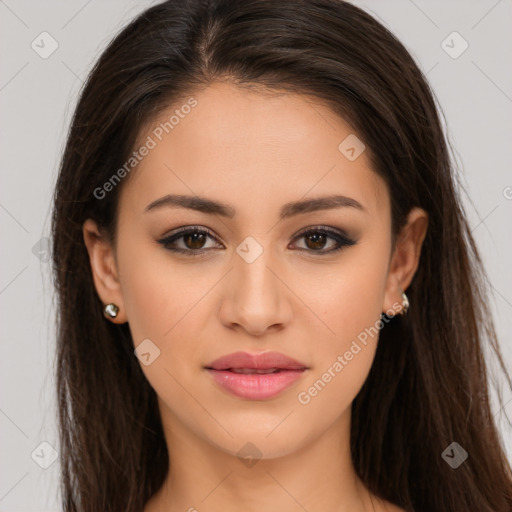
208,206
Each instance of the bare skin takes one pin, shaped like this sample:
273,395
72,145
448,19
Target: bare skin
256,152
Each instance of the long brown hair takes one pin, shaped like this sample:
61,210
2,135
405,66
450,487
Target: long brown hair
428,386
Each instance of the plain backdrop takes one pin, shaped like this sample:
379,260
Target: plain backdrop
37,97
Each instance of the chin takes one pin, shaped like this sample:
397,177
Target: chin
247,444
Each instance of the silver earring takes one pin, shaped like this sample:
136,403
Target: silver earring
110,310
405,304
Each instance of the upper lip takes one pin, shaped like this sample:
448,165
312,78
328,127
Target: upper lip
261,361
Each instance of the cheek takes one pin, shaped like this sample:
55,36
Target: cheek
147,302
157,299
156,293
350,297
343,358
350,301
162,301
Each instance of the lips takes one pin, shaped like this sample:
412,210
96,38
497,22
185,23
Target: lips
266,362
256,376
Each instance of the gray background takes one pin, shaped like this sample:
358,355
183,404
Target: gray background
37,98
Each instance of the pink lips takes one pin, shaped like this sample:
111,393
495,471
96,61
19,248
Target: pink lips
256,376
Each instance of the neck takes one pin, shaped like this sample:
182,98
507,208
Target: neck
318,476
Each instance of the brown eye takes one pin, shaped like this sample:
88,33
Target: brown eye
316,240
194,240
190,241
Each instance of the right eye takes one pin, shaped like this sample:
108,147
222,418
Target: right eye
192,240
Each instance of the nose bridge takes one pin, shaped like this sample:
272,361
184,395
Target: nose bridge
256,300
254,279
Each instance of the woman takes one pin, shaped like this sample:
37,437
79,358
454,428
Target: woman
251,198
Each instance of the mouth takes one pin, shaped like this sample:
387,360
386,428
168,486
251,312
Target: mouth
256,376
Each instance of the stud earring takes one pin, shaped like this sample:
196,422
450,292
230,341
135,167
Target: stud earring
405,304
110,310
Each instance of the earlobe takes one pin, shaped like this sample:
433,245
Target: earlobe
104,269
405,259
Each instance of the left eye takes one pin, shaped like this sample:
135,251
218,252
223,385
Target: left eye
193,239
316,239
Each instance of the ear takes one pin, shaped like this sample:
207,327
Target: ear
405,258
104,268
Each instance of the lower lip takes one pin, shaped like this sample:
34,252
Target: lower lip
256,386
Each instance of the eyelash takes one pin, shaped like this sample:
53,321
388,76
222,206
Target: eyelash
341,239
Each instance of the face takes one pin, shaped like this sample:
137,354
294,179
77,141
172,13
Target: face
309,282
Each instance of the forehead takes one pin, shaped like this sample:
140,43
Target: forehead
252,147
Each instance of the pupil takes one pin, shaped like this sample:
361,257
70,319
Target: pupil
197,238
318,240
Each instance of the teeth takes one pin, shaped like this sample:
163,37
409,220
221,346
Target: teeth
251,370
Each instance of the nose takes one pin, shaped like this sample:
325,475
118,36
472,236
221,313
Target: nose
256,298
